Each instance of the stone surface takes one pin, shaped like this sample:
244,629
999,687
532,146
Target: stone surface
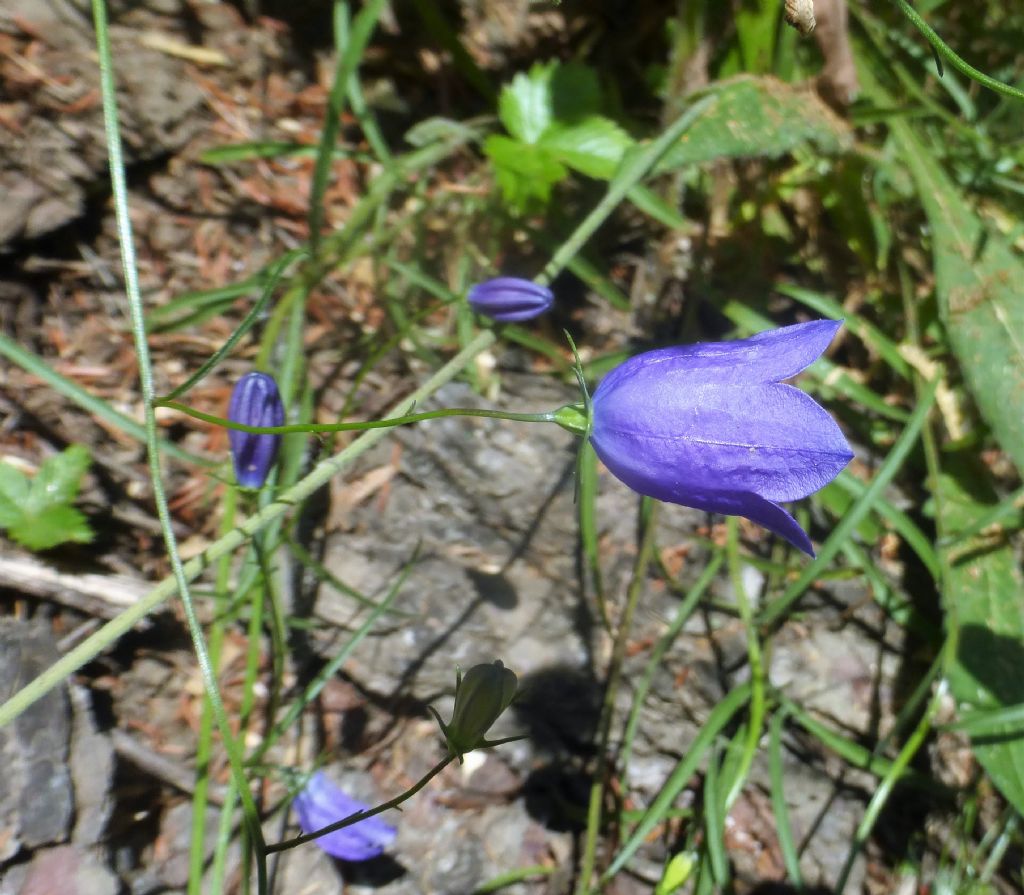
36,799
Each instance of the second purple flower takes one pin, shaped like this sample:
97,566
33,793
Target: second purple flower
510,299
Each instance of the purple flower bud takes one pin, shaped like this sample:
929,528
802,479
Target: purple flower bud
321,802
255,401
510,299
712,426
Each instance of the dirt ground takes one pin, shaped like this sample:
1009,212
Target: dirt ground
94,798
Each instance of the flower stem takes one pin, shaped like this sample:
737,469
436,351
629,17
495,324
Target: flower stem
362,815
545,417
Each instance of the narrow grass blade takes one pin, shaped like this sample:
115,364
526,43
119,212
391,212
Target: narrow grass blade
96,406
681,775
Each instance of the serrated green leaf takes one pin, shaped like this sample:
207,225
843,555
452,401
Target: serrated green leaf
983,607
36,512
550,92
978,279
60,477
575,92
524,172
525,106
758,117
593,146
51,526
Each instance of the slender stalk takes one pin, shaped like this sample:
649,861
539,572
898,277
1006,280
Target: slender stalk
87,401
886,784
119,188
946,52
363,815
204,747
361,426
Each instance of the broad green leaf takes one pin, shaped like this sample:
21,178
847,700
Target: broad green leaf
550,92
524,171
51,526
758,117
525,106
10,512
980,285
984,608
593,146
59,477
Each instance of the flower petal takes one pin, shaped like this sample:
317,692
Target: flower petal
321,802
769,356
670,442
776,519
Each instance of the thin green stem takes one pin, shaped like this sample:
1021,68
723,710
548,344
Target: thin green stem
363,815
604,762
886,784
683,612
947,53
119,188
681,774
545,417
204,747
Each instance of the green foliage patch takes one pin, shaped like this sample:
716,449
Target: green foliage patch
37,512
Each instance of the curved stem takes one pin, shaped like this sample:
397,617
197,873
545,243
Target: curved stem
362,815
545,417
947,53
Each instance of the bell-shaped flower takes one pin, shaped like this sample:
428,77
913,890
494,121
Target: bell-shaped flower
321,803
255,401
480,699
510,299
713,426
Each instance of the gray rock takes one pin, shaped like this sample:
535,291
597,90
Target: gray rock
36,799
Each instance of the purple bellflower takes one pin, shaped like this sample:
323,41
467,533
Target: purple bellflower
712,426
255,401
320,802
510,299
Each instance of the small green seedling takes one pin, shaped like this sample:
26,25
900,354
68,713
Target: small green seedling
37,511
